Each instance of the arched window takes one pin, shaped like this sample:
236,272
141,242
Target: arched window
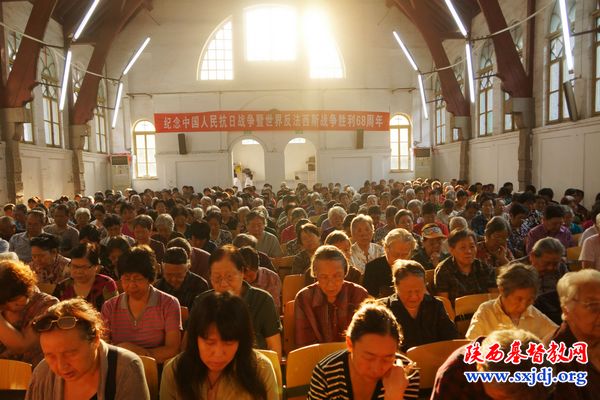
557,65
14,41
486,93
400,140
50,84
144,144
271,33
217,57
517,36
100,120
77,74
458,69
596,86
440,114
325,60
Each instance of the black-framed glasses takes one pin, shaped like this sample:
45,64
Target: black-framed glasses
46,324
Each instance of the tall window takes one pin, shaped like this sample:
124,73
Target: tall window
77,74
440,114
14,41
144,144
100,121
597,62
50,85
486,93
517,35
458,69
323,55
270,33
557,65
217,58
400,139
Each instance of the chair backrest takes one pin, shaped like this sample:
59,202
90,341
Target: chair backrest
429,274
300,364
289,324
185,314
291,286
14,375
283,265
47,287
576,237
274,358
447,306
429,357
573,253
151,372
466,306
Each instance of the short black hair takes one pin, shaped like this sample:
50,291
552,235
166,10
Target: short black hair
141,260
45,241
112,220
175,255
200,230
554,211
90,232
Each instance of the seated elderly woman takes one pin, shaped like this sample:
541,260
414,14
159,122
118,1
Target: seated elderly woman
218,361
177,279
293,246
363,249
370,367
514,308
143,319
85,281
309,241
451,381
324,309
227,275
340,240
430,253
142,230
290,233
46,262
218,235
493,250
422,317
78,363
20,302
404,219
82,217
398,244
463,274
260,277
114,249
579,294
164,226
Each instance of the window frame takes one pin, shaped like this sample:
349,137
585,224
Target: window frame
205,52
137,134
485,74
50,99
596,55
460,79
440,120
399,142
100,122
517,36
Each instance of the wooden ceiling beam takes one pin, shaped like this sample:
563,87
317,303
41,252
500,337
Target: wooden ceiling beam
118,15
510,69
455,100
22,78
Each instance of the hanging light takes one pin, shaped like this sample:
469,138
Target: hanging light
65,81
406,52
564,19
470,72
136,56
85,19
117,105
459,24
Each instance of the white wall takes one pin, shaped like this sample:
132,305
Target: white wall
250,156
296,156
47,172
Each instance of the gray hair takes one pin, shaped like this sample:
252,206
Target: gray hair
458,223
517,276
398,234
198,213
496,224
567,209
244,239
164,220
410,192
205,198
328,252
415,203
9,256
83,210
299,212
210,209
361,218
548,245
568,286
336,210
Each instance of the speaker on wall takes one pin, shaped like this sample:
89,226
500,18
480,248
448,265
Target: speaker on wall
570,100
360,138
182,145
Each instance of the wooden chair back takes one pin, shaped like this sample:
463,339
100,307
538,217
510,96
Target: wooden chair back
289,331
151,372
47,287
447,306
185,314
14,375
465,307
291,286
573,253
429,280
300,364
429,357
274,358
283,265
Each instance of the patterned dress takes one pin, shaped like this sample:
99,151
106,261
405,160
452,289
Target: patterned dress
103,288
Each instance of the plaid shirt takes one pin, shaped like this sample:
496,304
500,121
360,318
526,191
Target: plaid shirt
103,288
450,279
318,321
490,259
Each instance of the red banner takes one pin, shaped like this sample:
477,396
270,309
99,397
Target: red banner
215,121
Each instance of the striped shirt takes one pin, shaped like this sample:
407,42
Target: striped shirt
161,315
331,379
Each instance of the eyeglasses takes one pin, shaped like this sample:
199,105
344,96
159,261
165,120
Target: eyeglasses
74,267
45,324
229,278
592,306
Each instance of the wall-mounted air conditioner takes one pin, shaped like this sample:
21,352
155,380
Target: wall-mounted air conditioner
120,171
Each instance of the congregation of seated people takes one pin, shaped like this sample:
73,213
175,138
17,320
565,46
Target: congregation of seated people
203,282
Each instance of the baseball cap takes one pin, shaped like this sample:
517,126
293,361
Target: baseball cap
432,231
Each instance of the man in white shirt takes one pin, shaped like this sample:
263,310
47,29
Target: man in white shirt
590,251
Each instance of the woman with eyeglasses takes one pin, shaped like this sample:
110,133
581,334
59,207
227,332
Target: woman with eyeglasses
20,302
226,270
143,319
85,281
218,361
77,363
323,310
